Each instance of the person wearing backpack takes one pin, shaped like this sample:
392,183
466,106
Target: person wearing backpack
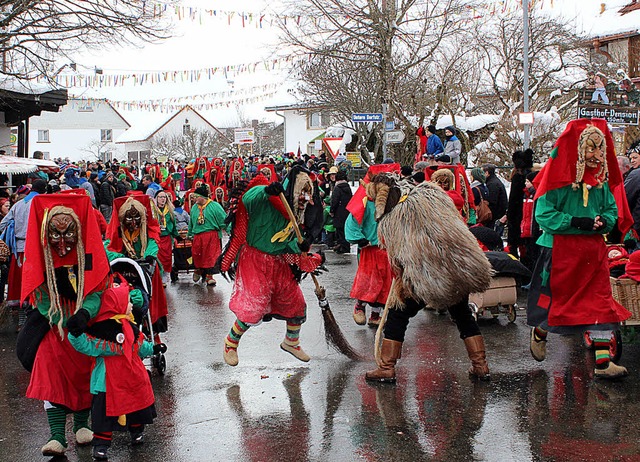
481,198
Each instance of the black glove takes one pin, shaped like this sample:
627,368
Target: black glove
159,348
363,243
305,245
603,221
582,223
77,324
274,189
150,260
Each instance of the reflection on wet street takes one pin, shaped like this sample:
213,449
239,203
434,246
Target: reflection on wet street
274,408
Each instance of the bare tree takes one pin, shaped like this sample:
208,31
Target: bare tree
361,54
197,143
97,149
556,57
34,33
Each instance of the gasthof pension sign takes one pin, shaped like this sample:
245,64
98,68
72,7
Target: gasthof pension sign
613,115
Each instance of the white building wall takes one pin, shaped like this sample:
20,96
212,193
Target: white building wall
297,133
74,132
76,144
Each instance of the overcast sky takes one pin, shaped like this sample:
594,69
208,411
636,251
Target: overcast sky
215,43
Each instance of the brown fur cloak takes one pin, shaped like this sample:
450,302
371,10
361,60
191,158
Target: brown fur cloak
434,256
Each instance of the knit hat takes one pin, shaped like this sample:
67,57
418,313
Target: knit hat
431,128
122,177
23,190
478,174
202,190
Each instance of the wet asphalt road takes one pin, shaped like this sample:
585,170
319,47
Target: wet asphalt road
272,407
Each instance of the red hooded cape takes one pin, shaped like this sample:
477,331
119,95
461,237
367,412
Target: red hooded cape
358,202
96,263
560,169
158,306
127,381
113,230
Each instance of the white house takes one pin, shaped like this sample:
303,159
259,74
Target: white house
83,129
138,141
304,124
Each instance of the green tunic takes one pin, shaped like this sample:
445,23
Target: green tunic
555,209
169,225
151,251
91,303
214,216
264,222
367,230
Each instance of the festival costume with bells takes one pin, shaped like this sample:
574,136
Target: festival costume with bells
122,395
373,277
205,225
139,244
267,256
65,272
416,226
570,290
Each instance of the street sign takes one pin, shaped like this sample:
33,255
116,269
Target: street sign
390,125
614,115
394,136
525,118
366,117
244,136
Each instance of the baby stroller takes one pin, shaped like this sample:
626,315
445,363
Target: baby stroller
138,274
501,296
182,262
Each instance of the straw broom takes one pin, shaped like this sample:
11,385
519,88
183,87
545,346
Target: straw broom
332,332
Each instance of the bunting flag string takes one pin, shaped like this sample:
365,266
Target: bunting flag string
196,99
171,107
113,79
262,19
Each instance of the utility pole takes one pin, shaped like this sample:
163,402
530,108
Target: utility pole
525,65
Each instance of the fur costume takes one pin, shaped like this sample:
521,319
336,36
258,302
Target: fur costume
437,235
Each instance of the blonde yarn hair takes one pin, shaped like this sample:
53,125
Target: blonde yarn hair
129,204
55,307
585,137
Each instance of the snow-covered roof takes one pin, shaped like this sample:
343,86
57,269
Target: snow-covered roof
28,87
143,130
468,124
611,21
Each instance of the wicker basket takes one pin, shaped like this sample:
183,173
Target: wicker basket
627,293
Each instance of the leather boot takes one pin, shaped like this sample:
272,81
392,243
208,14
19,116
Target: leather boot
389,354
475,349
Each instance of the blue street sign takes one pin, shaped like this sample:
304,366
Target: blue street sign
372,117
390,125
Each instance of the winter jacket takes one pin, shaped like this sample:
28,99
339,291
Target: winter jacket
453,148
339,199
107,194
434,146
497,197
632,188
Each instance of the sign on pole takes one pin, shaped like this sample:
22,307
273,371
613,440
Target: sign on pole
615,115
394,136
366,117
389,125
525,118
244,136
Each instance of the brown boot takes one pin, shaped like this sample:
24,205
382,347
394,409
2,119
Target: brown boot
389,354
475,349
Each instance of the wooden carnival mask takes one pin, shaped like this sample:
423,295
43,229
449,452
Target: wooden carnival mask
132,220
62,234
